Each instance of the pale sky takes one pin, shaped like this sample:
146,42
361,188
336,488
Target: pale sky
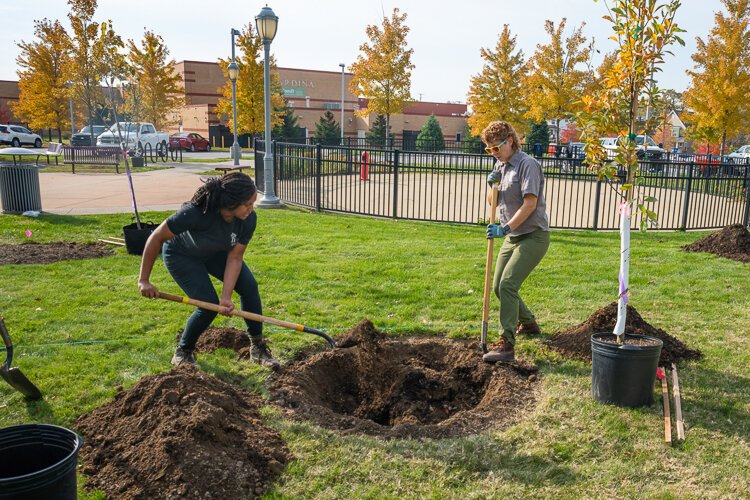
320,34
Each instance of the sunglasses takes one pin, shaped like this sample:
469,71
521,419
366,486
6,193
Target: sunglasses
494,149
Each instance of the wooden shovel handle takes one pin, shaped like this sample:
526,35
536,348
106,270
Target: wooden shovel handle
247,315
488,272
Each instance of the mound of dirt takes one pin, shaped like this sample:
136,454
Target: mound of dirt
576,342
407,387
47,253
181,434
732,242
221,338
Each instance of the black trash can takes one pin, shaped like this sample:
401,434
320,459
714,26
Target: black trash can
19,188
38,461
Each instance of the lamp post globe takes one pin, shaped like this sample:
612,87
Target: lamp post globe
267,23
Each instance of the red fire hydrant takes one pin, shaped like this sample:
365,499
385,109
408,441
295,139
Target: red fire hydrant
364,166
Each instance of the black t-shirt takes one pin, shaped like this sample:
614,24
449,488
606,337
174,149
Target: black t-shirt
203,235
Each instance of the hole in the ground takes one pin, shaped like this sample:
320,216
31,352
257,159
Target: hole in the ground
418,386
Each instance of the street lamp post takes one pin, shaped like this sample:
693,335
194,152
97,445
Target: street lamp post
267,22
70,101
234,71
342,103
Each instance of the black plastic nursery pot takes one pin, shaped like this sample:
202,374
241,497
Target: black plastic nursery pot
135,239
624,374
38,461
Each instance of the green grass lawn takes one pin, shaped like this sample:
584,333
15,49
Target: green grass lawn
83,330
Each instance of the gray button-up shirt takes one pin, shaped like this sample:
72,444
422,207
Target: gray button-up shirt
522,175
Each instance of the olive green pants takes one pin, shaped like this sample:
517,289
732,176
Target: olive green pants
518,256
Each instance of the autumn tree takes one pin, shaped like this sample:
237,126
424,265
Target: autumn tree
43,91
88,49
643,31
161,86
556,79
570,133
718,92
327,130
430,138
496,93
382,72
250,90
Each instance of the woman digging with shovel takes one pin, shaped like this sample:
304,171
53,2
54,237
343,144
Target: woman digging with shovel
523,221
208,237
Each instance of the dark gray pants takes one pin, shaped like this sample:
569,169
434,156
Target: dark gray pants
192,275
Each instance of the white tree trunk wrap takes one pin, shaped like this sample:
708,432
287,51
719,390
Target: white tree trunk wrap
622,301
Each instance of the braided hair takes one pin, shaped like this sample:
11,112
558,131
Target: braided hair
227,192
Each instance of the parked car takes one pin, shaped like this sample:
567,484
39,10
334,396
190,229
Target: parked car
16,136
83,137
137,137
645,147
189,142
742,155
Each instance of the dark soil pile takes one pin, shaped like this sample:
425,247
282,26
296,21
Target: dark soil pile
576,342
404,387
181,434
221,338
47,253
732,242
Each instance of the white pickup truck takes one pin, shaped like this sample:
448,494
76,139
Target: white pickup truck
137,136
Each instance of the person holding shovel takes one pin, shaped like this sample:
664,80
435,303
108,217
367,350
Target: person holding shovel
208,237
518,183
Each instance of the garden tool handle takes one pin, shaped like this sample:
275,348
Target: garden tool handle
488,272
247,315
8,344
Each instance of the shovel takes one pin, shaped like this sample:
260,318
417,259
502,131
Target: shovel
13,376
488,273
247,315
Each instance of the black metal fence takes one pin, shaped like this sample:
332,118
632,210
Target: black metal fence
694,193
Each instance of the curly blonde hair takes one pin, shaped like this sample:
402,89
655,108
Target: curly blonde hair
497,132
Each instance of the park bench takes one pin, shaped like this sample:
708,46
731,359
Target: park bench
96,155
226,170
54,150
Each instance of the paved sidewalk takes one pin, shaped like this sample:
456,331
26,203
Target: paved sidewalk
160,190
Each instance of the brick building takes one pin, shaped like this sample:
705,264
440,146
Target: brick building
310,92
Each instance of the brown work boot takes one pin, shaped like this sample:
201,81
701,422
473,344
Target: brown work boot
528,329
502,351
261,354
184,356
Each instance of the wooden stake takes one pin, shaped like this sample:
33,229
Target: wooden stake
115,238
677,404
118,243
667,416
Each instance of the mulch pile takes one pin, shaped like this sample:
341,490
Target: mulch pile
732,242
47,253
403,387
576,342
221,338
181,434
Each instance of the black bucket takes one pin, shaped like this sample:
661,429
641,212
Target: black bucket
624,374
135,239
38,461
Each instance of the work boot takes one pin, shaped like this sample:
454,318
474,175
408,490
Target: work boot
528,328
261,354
503,351
184,356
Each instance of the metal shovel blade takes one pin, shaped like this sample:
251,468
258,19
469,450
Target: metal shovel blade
13,376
